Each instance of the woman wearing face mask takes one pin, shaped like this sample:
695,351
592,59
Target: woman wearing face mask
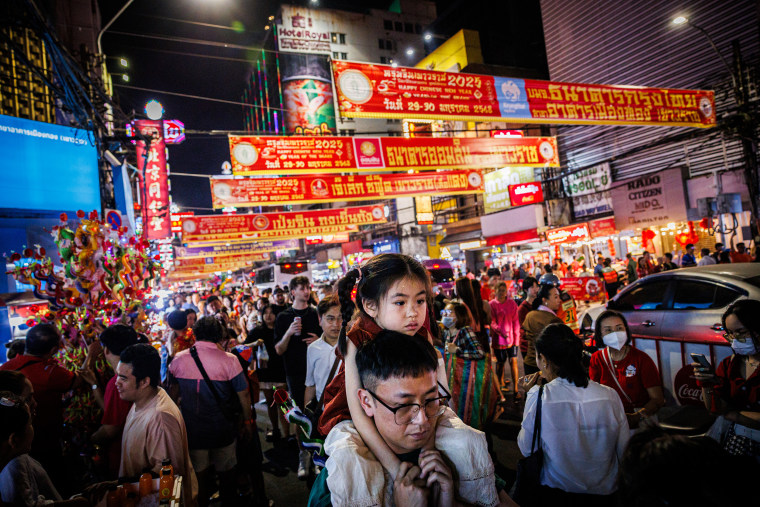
475,392
629,371
733,390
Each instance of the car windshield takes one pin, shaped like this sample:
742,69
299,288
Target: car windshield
442,275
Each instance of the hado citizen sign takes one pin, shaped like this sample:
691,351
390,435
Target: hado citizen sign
526,193
569,234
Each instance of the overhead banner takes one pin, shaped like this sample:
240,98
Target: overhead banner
257,155
497,185
653,199
291,224
187,263
154,191
589,189
323,188
382,91
224,250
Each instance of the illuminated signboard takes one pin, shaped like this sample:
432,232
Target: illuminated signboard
569,234
526,193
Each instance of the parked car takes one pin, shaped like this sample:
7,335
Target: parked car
675,313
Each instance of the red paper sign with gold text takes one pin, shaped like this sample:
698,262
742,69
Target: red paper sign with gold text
151,166
327,188
291,224
381,91
256,155
200,262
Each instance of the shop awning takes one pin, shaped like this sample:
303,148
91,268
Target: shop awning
460,237
514,238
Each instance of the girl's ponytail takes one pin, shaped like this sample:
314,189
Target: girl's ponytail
347,307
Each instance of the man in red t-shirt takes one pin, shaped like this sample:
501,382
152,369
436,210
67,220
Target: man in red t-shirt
50,381
740,254
115,410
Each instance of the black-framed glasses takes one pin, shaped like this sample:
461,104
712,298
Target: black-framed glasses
404,414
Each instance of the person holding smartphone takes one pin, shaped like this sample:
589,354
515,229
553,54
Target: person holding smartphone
629,371
733,390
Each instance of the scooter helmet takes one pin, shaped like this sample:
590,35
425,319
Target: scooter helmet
549,279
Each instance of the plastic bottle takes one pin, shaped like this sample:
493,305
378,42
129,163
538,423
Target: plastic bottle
146,483
113,498
166,481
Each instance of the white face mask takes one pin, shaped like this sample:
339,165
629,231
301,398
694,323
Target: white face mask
615,340
744,349
448,322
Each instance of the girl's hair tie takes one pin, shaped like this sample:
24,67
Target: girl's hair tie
358,278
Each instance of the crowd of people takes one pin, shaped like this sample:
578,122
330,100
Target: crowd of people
408,380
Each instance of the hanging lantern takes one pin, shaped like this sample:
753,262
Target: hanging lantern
611,248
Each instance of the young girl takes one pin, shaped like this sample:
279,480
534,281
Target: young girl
391,293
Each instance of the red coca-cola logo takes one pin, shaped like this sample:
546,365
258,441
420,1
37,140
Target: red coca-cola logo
685,387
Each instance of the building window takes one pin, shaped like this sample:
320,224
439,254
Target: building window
417,28
408,28
399,26
393,120
385,44
338,38
388,24
336,55
383,59
347,132
344,56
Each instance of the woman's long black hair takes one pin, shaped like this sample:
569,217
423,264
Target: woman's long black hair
559,344
375,278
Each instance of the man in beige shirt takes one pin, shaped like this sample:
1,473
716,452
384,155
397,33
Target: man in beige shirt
154,429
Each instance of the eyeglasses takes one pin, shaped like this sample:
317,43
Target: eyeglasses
740,336
404,414
446,312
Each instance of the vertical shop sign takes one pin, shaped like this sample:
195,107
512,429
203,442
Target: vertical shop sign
151,166
423,208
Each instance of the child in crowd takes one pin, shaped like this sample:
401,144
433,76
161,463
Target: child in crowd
392,291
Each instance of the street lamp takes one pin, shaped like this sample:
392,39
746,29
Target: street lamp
410,52
123,62
683,20
154,110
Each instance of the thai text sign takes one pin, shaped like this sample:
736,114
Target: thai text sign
223,250
584,288
151,166
649,200
589,190
569,234
526,193
255,155
382,91
602,227
325,188
239,259
497,185
291,224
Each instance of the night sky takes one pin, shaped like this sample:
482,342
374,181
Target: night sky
156,64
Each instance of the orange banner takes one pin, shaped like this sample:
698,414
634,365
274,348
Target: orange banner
227,191
257,155
201,262
381,91
291,224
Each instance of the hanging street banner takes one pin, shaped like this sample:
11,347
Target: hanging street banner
224,250
283,225
380,91
154,179
227,191
242,259
260,155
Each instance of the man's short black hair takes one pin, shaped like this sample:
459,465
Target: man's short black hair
393,354
529,282
669,256
208,329
298,281
42,339
177,320
118,337
211,299
327,302
145,362
278,291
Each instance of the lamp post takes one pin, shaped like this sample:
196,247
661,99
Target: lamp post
743,124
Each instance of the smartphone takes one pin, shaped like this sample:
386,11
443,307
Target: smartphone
701,359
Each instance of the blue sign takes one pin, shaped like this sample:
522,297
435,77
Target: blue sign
513,101
389,246
113,218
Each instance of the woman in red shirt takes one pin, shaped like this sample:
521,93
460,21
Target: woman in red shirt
621,366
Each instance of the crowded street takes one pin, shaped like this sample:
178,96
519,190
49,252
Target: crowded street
379,253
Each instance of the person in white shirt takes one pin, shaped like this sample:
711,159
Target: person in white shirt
320,356
706,259
584,430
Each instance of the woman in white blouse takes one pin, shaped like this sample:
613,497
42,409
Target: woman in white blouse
584,430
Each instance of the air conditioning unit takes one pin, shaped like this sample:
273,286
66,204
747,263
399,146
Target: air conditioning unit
729,203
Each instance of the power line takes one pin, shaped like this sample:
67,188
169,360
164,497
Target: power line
186,40
196,97
198,23
197,55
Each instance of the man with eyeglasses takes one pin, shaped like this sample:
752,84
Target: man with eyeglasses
402,395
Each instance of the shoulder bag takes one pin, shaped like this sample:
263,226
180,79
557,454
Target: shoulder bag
231,408
314,408
529,468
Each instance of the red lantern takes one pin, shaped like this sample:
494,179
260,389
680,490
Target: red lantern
611,247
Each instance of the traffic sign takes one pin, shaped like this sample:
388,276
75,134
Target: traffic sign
113,218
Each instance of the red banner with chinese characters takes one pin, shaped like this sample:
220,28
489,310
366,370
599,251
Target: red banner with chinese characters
291,224
585,288
326,188
154,191
602,227
381,91
526,193
569,234
256,155
241,259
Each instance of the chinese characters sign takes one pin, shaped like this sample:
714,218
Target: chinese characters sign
326,188
151,165
255,155
382,91
291,224
224,250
